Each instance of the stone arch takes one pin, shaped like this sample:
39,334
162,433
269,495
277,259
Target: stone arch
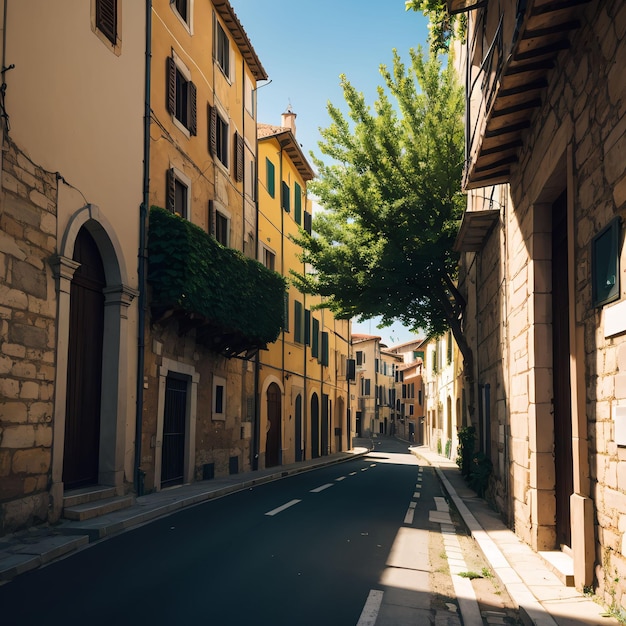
117,380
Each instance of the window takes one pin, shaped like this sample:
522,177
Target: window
298,322
308,222
315,339
366,386
360,357
285,199
269,259
218,136
297,203
249,182
219,398
106,19
411,409
270,177
221,50
219,221
183,9
221,228
177,192
181,95
249,95
605,272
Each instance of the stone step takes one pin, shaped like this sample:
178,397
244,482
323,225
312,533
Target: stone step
87,494
89,510
561,565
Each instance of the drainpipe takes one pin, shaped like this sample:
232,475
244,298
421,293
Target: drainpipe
143,219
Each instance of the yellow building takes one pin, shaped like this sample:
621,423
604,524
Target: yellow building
212,305
303,402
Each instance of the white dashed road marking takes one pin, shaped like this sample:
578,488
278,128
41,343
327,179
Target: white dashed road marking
283,507
371,608
318,489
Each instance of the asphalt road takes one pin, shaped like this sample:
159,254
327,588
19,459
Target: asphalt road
305,550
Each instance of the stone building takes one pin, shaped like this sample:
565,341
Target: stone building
69,220
543,270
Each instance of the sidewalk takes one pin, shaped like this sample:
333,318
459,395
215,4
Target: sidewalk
543,599
30,549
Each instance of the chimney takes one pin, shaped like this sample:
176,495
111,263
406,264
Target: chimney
288,120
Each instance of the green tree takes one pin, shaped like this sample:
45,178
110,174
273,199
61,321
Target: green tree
441,24
391,194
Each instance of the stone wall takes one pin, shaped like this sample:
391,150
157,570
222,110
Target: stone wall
27,339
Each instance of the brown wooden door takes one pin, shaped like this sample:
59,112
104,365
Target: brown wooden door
84,370
272,442
561,372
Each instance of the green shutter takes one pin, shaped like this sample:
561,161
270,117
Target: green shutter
315,339
297,203
307,327
270,177
286,314
297,321
325,349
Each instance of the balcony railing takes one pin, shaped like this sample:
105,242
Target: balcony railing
234,304
509,57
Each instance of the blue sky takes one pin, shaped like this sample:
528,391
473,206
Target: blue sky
305,46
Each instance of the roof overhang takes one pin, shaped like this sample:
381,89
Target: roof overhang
518,87
288,143
463,6
233,24
475,226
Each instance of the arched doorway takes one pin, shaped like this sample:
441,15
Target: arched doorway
299,446
272,441
84,370
315,426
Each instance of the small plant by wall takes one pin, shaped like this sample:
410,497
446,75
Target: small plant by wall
467,441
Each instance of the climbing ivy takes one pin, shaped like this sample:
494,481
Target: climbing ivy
189,272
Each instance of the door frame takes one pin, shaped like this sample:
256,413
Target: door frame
169,366
117,377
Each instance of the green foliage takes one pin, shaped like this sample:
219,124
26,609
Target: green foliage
441,25
191,273
439,445
481,469
467,441
448,447
392,198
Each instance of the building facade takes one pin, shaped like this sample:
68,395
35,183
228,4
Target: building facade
543,268
304,406
71,177
203,333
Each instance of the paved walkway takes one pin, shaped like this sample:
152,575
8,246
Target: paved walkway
542,598
530,581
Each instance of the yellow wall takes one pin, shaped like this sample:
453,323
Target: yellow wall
287,362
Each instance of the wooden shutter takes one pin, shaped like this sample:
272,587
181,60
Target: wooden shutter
325,348
308,222
285,196
170,71
193,109
297,321
307,327
170,191
239,157
297,203
212,115
106,19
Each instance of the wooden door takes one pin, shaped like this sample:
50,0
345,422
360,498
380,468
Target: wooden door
563,458
174,432
272,442
84,367
315,426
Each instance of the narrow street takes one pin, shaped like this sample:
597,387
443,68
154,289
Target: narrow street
342,545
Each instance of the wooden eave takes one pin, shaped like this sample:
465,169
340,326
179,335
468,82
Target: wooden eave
235,28
520,89
291,147
475,226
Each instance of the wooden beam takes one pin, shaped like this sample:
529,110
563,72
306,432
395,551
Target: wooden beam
551,30
541,83
564,44
505,130
516,108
